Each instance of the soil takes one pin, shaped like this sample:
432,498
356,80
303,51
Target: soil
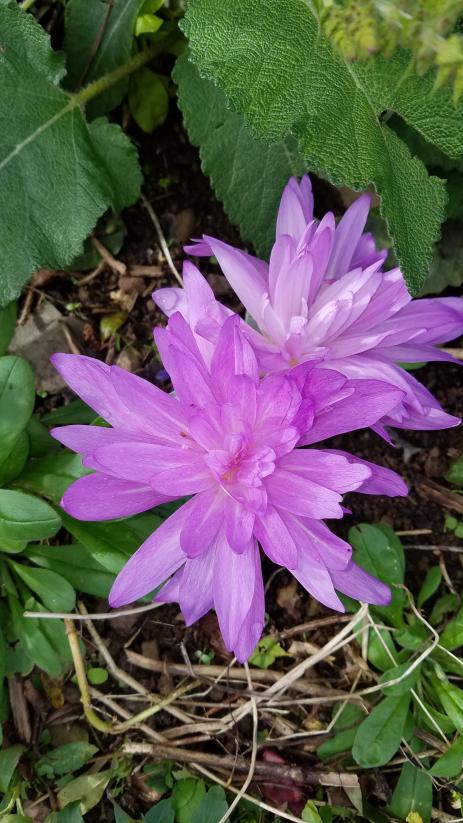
186,206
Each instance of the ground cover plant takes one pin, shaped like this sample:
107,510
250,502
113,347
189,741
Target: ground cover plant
230,553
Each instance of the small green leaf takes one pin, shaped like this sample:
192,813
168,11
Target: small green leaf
147,24
431,583
443,605
7,325
455,474
74,413
379,736
413,793
14,462
452,636
24,517
450,764
56,594
46,645
310,813
78,566
186,797
451,698
212,807
381,652
148,99
111,323
9,759
87,789
96,675
65,759
70,814
267,651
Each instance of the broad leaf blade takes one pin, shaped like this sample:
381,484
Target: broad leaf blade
247,174
292,82
49,207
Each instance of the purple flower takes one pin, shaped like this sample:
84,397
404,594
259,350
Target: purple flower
323,296
230,440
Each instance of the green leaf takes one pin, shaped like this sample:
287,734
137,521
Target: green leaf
212,807
310,813
88,789
40,442
56,594
70,757
78,566
148,99
452,636
17,397
162,812
455,474
38,640
51,475
413,793
451,698
430,585
379,551
110,543
9,759
446,603
381,652
7,325
344,731
76,412
267,651
379,736
24,517
186,797
97,165
70,814
98,38
96,675
294,82
405,684
14,462
246,173
447,263
450,764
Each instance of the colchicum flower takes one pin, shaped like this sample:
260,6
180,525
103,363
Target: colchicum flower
231,440
324,296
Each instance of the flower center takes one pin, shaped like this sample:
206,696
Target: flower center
241,462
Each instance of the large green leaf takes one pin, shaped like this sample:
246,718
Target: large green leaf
7,324
51,475
379,551
277,68
57,173
247,174
98,38
78,566
379,736
413,793
25,517
54,591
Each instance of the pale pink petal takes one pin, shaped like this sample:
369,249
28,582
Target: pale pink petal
298,495
357,583
275,539
99,497
234,586
321,467
205,516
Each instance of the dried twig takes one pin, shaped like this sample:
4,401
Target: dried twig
439,494
112,615
161,238
116,265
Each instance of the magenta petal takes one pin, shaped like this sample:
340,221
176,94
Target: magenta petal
321,466
205,516
234,586
244,276
347,235
275,538
253,623
195,590
99,497
315,540
380,481
239,523
156,559
83,439
357,583
296,208
317,580
300,496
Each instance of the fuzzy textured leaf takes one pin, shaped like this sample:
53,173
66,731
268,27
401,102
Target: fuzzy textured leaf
246,173
49,207
278,69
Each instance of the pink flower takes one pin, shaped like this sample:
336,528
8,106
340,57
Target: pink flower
230,440
324,296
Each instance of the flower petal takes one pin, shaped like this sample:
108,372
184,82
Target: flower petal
357,583
321,467
275,539
380,481
298,495
156,559
99,497
234,586
205,516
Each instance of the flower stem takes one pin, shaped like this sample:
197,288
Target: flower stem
136,62
79,665
26,4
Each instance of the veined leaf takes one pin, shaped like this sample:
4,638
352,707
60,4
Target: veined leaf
49,207
246,173
277,68
379,736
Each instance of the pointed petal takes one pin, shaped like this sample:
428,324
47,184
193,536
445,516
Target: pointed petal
380,481
205,516
296,208
239,524
234,586
357,583
243,275
156,559
321,467
297,495
99,497
315,540
348,233
317,581
195,588
83,439
253,623
275,539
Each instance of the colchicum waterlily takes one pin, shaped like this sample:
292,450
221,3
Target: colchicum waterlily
231,442
324,296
